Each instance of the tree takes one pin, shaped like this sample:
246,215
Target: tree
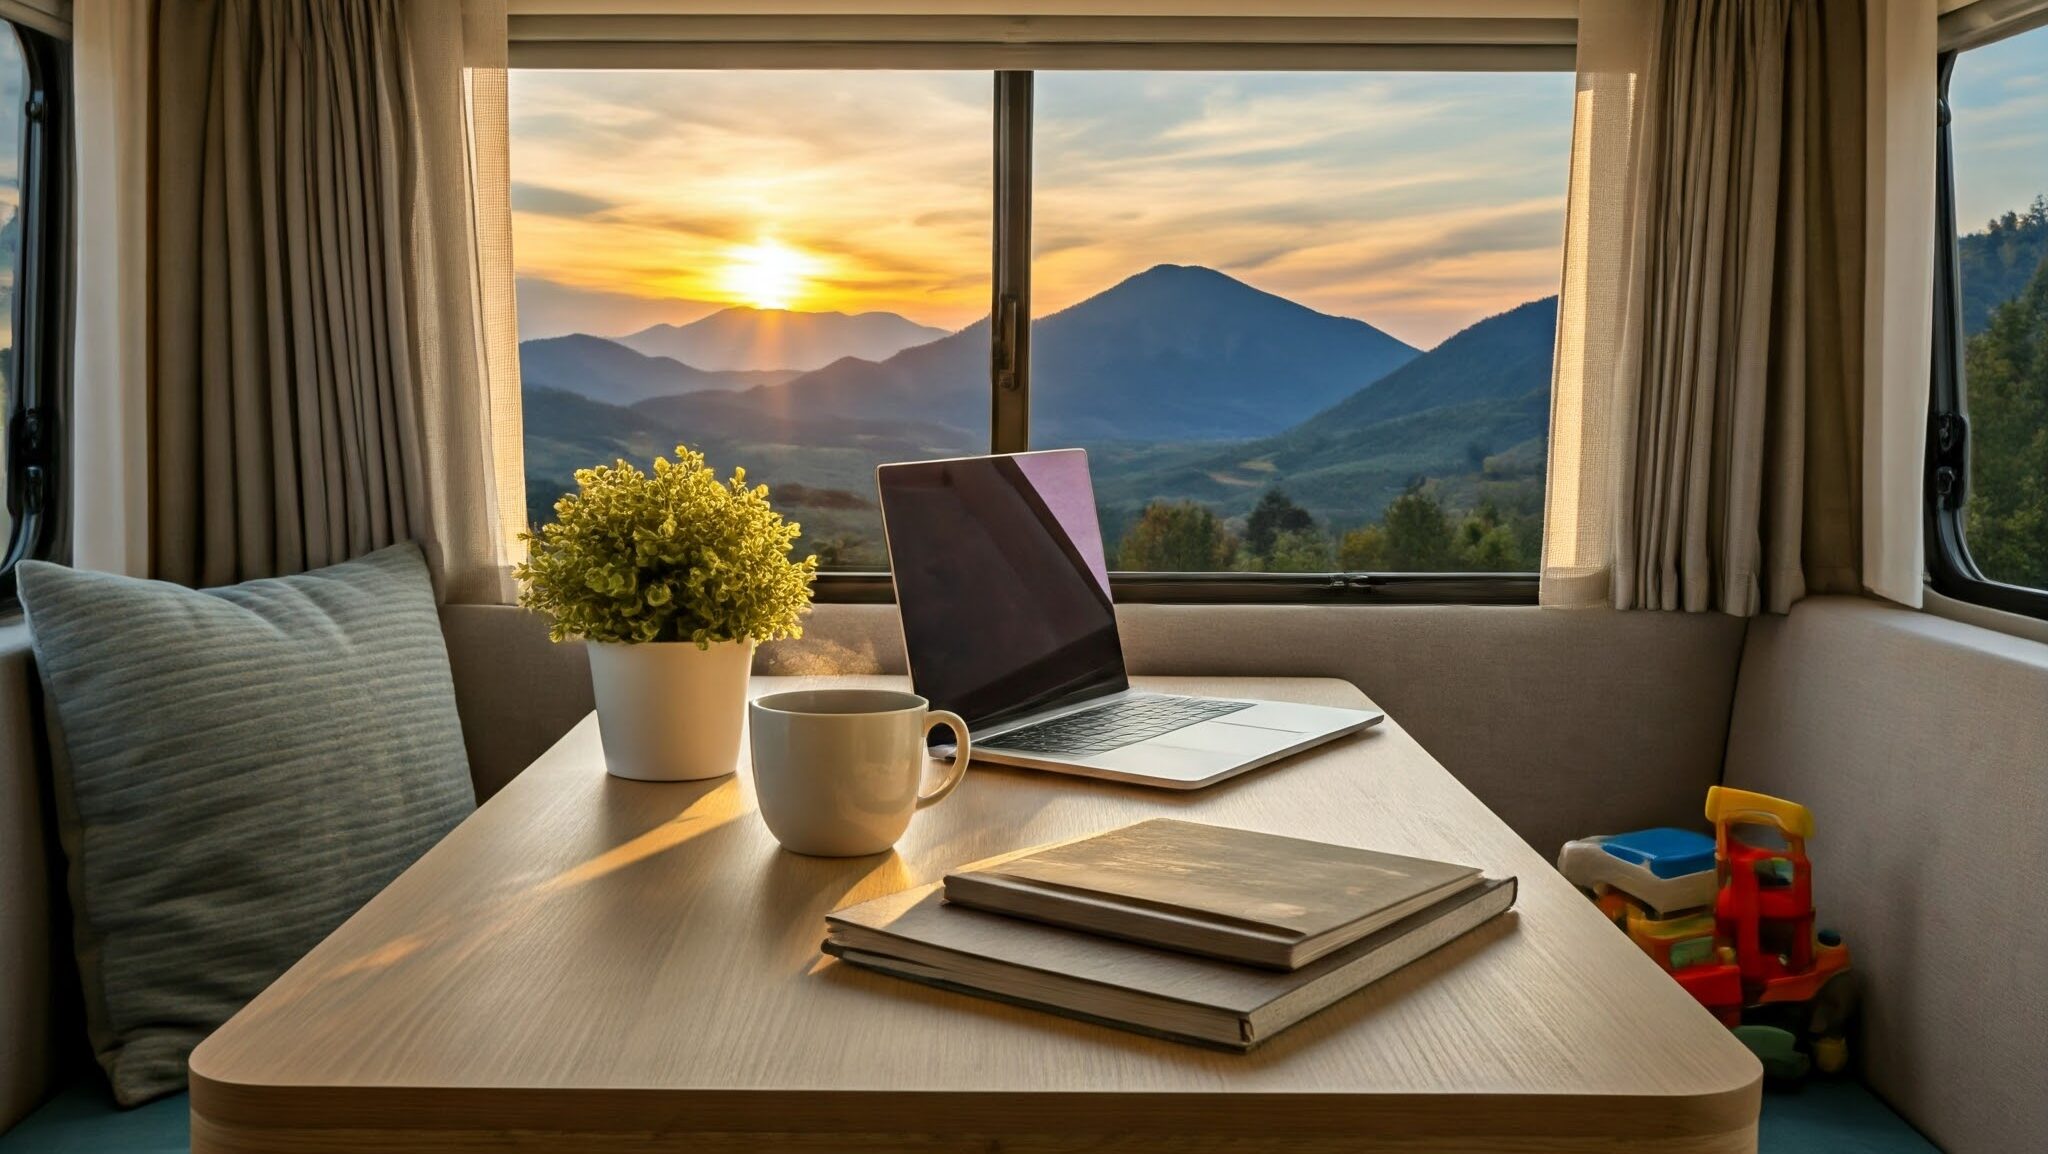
1418,535
1177,537
2005,374
1299,551
1276,513
1486,542
1363,549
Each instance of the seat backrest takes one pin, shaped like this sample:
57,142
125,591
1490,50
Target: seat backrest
1921,747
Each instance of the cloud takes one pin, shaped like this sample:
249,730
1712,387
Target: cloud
551,309
1417,201
556,201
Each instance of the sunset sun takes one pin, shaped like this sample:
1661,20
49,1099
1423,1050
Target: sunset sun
767,274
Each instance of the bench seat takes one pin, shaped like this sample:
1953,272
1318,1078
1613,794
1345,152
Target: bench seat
82,1119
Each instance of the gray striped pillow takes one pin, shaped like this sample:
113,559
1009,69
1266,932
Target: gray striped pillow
238,770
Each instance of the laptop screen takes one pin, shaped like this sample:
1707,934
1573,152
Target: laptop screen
1001,581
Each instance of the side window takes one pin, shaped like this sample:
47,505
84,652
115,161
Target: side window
14,90
1997,495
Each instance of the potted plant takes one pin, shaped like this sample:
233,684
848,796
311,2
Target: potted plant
672,577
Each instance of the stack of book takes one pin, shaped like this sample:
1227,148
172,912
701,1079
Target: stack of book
1186,931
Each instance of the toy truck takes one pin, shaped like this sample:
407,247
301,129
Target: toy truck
1731,919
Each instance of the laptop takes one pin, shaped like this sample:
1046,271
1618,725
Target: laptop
1003,589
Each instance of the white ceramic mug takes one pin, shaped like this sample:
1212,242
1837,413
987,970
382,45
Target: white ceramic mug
837,771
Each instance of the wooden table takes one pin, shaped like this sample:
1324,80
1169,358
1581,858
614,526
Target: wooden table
593,964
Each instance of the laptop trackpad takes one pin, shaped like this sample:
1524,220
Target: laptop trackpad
1223,737
1165,764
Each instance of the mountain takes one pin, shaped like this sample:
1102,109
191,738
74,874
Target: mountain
744,338
611,373
1470,412
1173,353
1504,356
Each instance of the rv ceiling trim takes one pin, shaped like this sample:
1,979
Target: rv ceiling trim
1462,9
595,54
1985,21
50,17
594,38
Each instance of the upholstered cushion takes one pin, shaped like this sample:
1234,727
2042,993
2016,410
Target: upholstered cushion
237,771
82,1119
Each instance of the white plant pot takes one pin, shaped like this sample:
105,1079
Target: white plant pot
669,711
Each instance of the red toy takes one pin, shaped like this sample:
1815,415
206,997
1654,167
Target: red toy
1763,916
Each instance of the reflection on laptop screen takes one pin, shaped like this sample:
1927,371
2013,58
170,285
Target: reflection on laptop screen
1001,581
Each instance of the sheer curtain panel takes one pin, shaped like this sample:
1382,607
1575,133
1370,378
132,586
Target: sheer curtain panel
1707,405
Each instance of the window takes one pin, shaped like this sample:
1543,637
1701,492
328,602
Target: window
1988,451
783,270
1303,321
33,314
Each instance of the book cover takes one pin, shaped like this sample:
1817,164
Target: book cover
1257,898
916,935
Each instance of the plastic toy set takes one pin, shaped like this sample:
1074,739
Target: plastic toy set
1730,918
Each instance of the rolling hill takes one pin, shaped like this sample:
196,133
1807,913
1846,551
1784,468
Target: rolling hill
746,338
1996,264
1473,410
611,373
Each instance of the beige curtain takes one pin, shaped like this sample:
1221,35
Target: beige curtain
323,378
110,393
1706,411
1898,295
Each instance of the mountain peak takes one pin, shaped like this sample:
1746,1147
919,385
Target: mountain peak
1208,295
744,337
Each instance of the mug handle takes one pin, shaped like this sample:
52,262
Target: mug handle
962,750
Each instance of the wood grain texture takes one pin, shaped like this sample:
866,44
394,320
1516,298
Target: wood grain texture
596,964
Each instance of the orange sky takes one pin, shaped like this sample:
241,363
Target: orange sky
1416,202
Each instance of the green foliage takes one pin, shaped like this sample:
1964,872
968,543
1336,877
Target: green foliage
1997,264
1177,537
1276,513
1299,551
2005,380
1416,535
671,556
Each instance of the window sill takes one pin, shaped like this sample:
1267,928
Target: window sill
1254,588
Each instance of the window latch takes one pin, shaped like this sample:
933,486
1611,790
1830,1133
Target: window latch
1005,348
1951,437
34,489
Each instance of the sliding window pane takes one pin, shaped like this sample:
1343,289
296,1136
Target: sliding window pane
1998,98
13,91
788,271
1303,321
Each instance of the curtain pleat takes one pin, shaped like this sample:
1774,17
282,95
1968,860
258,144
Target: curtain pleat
1724,410
318,375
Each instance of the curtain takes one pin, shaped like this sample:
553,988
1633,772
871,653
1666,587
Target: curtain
1707,404
1899,294
109,429
323,380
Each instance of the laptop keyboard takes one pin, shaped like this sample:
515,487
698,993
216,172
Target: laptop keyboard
1115,725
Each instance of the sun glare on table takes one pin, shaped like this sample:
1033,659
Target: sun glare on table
767,274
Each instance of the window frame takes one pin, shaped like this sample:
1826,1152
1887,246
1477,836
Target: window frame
1010,430
1945,493
41,311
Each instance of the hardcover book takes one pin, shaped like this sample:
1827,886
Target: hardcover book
917,935
1255,898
